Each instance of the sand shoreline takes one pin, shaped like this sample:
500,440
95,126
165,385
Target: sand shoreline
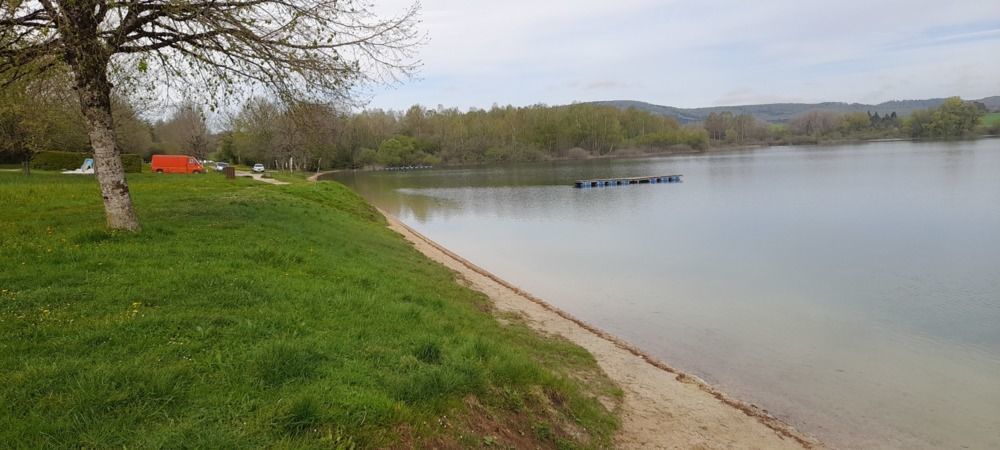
663,407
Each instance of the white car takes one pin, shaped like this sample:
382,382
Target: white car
259,168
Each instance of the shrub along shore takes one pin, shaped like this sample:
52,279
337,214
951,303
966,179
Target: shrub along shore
247,314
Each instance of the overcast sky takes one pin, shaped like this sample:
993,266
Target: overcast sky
699,53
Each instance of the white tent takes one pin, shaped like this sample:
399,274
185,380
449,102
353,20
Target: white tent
86,169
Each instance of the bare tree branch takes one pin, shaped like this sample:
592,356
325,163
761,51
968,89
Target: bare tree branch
311,48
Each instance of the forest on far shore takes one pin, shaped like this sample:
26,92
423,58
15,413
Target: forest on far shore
43,115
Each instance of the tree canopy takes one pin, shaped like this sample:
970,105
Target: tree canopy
296,48
954,118
421,136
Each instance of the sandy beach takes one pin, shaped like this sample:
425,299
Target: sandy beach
662,407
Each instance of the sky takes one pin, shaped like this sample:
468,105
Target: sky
690,53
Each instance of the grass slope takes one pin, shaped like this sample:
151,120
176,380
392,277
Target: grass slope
254,315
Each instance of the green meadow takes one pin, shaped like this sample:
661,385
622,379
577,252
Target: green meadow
252,315
991,119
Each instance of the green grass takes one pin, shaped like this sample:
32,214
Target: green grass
991,119
249,315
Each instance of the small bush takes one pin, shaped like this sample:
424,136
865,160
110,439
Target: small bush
132,163
577,153
58,160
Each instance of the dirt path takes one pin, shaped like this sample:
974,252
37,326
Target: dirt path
663,408
315,176
260,177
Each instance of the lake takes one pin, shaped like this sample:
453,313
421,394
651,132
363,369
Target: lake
852,291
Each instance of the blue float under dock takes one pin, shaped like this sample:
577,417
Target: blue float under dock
607,182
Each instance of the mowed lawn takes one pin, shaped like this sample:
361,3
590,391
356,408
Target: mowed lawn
248,315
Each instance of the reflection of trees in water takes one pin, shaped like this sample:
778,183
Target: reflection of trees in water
959,160
424,207
394,194
532,203
513,190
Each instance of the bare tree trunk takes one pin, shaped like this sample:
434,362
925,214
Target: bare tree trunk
94,90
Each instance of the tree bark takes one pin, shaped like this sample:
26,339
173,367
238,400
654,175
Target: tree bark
89,58
94,90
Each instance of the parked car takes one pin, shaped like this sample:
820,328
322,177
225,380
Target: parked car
259,168
220,166
176,164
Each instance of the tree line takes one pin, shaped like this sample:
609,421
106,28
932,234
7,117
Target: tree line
312,136
43,114
309,136
954,118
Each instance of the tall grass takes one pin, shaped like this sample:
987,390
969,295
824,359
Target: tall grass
247,314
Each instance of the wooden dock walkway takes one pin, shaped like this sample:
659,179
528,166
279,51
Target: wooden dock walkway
607,182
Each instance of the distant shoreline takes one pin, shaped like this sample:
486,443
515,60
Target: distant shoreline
667,153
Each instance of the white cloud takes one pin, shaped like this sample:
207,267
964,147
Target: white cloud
695,53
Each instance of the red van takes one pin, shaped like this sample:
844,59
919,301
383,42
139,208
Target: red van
176,164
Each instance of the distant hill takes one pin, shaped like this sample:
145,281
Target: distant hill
783,112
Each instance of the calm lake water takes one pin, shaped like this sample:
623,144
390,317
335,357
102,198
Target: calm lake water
853,291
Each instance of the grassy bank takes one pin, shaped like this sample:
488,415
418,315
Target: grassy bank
991,119
248,314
